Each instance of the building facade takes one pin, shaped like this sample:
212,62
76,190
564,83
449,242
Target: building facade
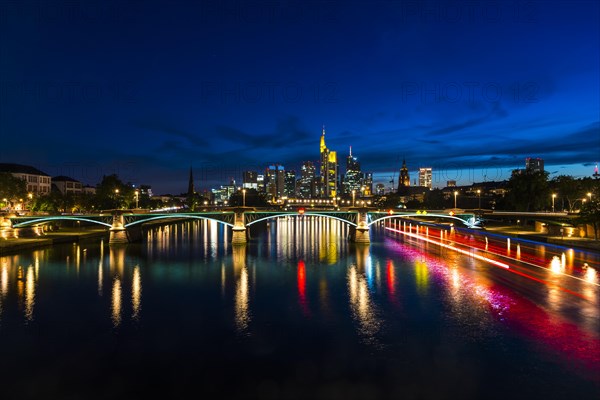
425,177
38,182
329,170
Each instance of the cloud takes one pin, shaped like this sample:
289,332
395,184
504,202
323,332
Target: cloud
496,112
165,128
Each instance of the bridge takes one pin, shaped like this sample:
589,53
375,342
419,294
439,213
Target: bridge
125,225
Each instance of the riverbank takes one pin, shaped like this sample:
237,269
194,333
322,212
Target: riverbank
64,235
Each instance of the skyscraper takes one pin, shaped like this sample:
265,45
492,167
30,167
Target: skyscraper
353,177
329,169
534,164
307,182
275,181
425,177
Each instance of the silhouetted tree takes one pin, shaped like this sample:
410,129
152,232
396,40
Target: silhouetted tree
528,190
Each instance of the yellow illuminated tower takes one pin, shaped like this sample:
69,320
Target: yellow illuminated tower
329,169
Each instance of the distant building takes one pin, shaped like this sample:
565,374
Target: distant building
38,182
88,189
307,182
250,180
329,170
353,177
425,177
534,164
404,180
289,186
380,189
451,183
66,185
275,181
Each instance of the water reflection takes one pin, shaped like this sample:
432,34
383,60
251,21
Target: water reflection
136,293
116,301
361,304
301,277
242,307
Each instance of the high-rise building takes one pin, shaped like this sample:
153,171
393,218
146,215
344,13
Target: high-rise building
306,183
329,169
404,180
275,181
534,164
367,184
353,178
250,180
289,188
425,179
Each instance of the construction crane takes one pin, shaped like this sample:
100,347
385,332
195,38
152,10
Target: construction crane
393,177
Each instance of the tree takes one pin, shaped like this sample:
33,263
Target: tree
590,214
568,190
112,193
11,187
528,190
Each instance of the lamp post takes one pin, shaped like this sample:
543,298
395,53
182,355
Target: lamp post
479,196
455,194
244,197
553,197
116,198
137,198
353,196
589,194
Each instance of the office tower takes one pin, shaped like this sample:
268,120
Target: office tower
353,177
275,181
534,164
250,180
306,183
329,169
289,188
425,177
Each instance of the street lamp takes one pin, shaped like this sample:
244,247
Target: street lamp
553,197
353,196
455,194
137,197
479,195
244,197
589,194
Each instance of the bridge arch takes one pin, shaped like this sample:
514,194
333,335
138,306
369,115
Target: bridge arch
298,215
178,216
446,216
58,218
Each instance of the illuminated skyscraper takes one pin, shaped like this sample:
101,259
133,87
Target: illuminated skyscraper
307,187
353,177
425,177
329,169
534,164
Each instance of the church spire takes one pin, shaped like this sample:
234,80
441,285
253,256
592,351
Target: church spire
350,151
191,184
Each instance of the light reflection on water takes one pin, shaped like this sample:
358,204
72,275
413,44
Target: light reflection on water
303,278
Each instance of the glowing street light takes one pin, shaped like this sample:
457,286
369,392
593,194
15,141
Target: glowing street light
137,198
479,195
353,196
553,197
455,194
244,197
589,194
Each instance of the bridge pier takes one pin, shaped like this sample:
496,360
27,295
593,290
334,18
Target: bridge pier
118,232
360,234
6,228
239,235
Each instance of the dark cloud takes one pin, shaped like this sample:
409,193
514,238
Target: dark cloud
171,130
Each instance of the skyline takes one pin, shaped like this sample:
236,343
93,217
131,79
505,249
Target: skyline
146,91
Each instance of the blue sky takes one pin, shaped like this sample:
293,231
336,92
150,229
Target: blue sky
145,89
